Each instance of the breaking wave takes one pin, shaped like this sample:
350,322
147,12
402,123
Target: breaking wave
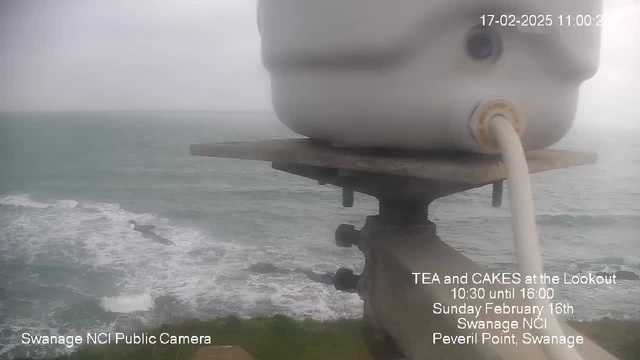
128,303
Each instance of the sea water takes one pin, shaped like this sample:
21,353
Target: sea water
70,263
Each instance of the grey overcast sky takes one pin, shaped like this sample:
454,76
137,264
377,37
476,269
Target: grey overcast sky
205,54
130,54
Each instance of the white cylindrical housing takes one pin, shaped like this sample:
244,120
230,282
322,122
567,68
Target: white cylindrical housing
409,74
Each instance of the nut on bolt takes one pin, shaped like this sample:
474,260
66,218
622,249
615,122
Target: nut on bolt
346,280
347,235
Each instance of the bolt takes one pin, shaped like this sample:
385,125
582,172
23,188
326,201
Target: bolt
347,196
497,194
347,187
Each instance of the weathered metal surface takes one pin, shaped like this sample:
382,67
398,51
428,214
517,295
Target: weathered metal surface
398,308
458,167
401,241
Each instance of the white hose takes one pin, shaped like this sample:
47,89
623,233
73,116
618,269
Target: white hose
524,224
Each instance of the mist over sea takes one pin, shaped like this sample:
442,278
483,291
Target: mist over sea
70,262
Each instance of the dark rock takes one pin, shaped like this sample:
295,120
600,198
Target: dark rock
147,232
267,268
627,275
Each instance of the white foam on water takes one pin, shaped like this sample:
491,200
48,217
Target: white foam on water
200,271
128,303
23,200
65,204
294,295
205,275
39,325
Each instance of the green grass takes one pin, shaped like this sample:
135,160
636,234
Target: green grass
281,338
275,338
620,338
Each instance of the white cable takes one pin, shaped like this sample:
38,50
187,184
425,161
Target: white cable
524,224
